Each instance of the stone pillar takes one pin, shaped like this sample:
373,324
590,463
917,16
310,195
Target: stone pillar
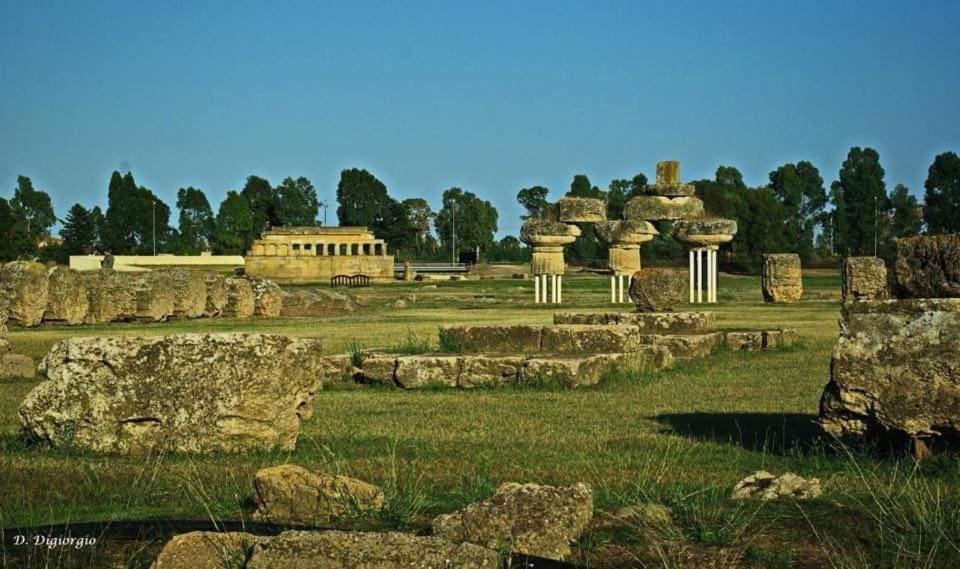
782,278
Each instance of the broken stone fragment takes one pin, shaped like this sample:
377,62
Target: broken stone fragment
766,486
581,210
633,232
189,292
207,550
291,494
928,266
705,232
240,302
25,285
524,518
658,208
657,290
67,297
863,278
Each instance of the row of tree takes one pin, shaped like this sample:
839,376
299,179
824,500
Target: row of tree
793,212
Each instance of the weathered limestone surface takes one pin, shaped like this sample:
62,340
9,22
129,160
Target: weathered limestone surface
17,365
773,339
685,346
751,341
359,550
581,210
207,550
267,298
490,370
630,232
525,518
26,288
657,290
519,338
543,232
895,369
929,266
624,259
656,208
216,289
571,371
782,278
765,486
580,339
647,322
291,494
413,372
189,292
184,393
379,369
109,296
319,303
863,278
705,232
154,294
67,296
547,261
240,299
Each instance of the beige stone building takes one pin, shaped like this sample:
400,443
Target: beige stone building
315,254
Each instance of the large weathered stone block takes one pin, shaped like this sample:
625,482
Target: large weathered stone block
414,372
656,208
657,290
547,261
546,233
627,232
647,322
525,518
291,494
207,550
686,346
25,285
109,296
782,278
184,393
267,298
17,365
863,278
490,370
216,288
240,299
895,369
581,210
624,259
705,232
929,266
358,550
587,339
519,339
154,293
67,296
189,292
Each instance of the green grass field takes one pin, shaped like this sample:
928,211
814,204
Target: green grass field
681,437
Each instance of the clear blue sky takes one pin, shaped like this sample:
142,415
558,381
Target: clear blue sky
487,96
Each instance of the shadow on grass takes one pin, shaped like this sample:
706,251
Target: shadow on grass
771,432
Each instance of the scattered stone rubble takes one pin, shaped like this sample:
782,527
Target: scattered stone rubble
184,393
895,370
291,494
782,278
765,486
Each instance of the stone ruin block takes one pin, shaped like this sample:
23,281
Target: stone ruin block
863,278
67,296
647,322
547,261
520,338
624,259
751,341
705,232
240,299
379,368
929,266
490,370
109,296
658,208
216,294
191,393
668,173
26,286
414,372
785,337
154,293
895,371
189,292
782,278
657,290
580,339
685,346
581,210
632,232
546,233
267,298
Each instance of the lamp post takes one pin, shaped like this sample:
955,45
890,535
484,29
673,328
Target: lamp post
154,211
453,219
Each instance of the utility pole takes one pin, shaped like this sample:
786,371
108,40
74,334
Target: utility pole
453,217
876,213
154,211
323,204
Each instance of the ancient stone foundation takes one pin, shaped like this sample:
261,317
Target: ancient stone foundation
782,280
863,278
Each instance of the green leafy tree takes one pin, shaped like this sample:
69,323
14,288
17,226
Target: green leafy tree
15,241
259,195
904,213
34,209
942,196
79,232
587,247
362,199
621,191
196,221
476,221
119,231
859,198
509,250
420,217
534,200
234,227
799,188
295,202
